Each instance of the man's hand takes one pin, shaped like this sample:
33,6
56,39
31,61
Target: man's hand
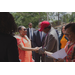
37,49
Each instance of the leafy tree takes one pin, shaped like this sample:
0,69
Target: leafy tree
23,18
72,17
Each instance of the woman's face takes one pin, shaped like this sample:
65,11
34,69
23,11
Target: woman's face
23,31
70,35
63,29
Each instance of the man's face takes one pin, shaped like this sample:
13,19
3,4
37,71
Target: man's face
30,25
45,30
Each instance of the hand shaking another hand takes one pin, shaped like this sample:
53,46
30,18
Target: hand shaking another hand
39,50
36,49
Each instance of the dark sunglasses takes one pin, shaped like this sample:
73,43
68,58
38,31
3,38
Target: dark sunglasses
25,29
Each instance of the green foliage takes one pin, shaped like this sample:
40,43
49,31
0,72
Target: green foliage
23,18
69,18
63,16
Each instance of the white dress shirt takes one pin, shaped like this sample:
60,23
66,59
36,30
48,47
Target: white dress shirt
30,33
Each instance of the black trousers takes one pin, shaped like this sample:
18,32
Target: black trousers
36,57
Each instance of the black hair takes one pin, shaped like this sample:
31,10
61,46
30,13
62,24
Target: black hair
48,27
29,23
20,28
7,23
62,28
72,25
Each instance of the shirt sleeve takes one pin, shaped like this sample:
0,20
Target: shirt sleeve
18,41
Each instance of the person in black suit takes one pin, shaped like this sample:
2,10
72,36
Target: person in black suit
38,41
30,31
8,43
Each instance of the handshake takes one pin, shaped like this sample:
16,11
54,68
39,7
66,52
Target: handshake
36,49
39,50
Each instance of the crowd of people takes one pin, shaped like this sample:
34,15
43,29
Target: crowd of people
32,45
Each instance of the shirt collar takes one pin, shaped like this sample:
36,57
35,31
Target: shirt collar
30,28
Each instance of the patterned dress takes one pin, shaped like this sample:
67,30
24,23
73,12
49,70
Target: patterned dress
69,49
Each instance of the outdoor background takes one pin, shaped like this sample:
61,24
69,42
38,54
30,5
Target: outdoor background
55,18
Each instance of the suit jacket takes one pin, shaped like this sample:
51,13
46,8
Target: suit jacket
8,48
37,40
28,31
51,44
29,35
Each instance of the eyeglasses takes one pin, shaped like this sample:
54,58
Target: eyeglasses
24,29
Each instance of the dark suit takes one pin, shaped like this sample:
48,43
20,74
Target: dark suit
28,34
38,43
